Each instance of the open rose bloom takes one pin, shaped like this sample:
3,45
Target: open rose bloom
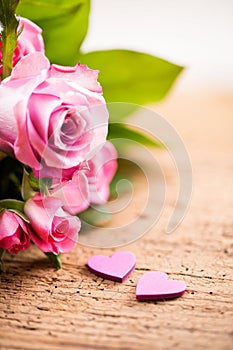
57,115
54,120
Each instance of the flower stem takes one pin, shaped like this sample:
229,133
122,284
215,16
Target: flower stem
55,260
9,34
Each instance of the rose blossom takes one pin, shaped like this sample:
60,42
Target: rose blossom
14,233
89,182
100,171
25,77
73,193
29,40
61,121
53,230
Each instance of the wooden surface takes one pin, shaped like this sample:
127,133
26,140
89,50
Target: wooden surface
72,309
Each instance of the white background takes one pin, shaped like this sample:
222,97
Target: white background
194,33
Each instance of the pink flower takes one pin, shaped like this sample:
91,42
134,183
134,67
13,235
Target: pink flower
60,122
26,76
101,169
29,40
74,193
87,183
14,233
53,230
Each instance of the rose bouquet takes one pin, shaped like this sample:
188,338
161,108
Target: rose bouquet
55,158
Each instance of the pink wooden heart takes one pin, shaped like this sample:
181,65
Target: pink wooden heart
154,285
116,267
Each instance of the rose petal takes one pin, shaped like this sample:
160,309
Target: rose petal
74,193
40,212
32,65
80,74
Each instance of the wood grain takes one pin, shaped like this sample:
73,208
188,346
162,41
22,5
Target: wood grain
73,309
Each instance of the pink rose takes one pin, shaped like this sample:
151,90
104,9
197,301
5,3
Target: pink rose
87,183
29,40
74,193
100,172
61,122
14,233
30,71
53,230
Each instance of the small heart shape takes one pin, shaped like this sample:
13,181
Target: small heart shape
116,267
154,285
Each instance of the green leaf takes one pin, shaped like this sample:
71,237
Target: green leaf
27,189
129,76
118,111
9,34
55,260
33,181
64,24
12,204
32,184
127,133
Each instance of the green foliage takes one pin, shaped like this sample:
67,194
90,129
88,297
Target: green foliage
129,76
126,76
33,181
64,24
32,184
12,204
55,260
119,111
127,133
28,188
9,33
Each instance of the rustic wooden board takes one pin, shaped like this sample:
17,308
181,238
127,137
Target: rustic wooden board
73,309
